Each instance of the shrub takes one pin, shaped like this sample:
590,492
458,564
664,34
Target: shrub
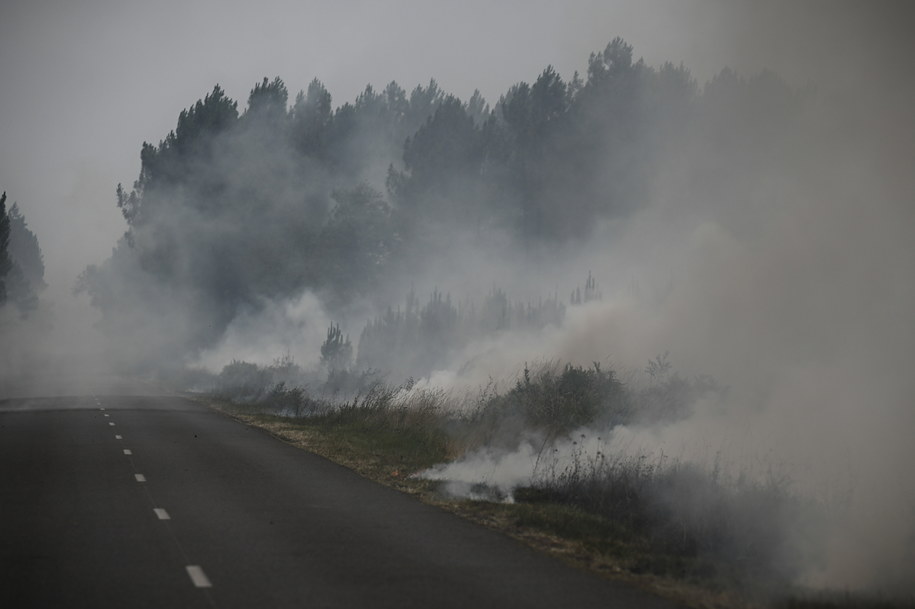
242,381
556,403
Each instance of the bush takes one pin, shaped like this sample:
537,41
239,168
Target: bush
556,403
242,381
292,401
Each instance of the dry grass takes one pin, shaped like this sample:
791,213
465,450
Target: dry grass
361,442
676,530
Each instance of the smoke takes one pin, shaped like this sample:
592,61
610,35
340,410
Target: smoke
488,474
771,249
56,351
290,328
786,276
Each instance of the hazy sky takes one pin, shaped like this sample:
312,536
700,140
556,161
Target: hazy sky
83,84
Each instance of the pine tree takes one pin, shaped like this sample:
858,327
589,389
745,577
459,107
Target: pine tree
337,350
24,250
6,263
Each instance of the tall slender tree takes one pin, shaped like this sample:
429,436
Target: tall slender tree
24,250
6,263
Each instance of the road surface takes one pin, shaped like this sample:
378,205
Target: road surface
161,502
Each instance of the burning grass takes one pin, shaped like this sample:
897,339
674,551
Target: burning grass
694,533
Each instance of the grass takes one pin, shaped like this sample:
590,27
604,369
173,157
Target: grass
843,600
381,438
388,444
688,534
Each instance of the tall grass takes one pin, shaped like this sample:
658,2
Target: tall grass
743,525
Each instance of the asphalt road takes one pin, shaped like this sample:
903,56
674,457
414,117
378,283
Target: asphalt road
160,502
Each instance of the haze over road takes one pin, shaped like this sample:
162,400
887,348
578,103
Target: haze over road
161,502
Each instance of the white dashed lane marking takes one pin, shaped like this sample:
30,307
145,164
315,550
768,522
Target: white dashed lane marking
195,572
198,576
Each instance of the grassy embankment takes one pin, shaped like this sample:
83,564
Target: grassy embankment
597,512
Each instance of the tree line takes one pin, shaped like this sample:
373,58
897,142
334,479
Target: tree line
234,208
21,261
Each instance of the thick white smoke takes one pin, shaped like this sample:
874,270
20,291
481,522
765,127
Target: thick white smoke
791,282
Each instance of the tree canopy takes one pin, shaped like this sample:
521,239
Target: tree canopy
21,261
233,209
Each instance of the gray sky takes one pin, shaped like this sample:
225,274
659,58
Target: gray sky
83,84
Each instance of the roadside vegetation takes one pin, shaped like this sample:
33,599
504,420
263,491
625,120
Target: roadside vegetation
700,535
262,219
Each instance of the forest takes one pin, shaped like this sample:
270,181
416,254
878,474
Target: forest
361,203
21,261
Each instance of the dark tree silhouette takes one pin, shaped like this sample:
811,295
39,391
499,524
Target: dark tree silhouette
232,211
6,263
